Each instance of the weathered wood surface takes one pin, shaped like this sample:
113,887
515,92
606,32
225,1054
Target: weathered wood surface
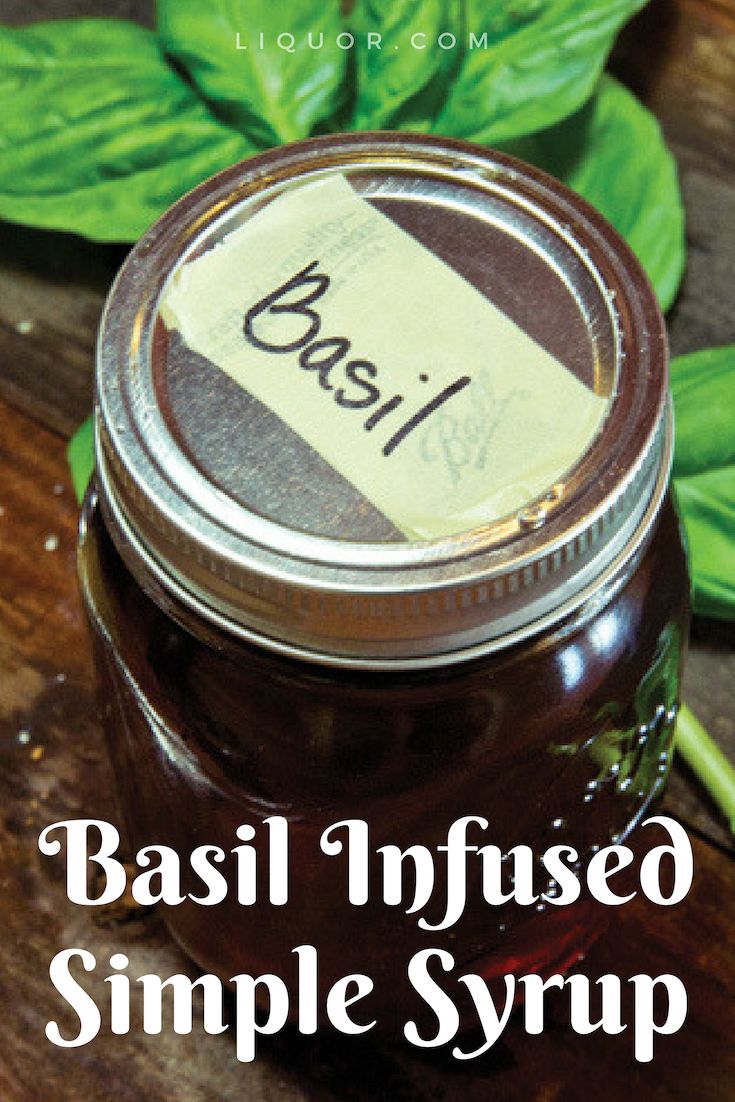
680,56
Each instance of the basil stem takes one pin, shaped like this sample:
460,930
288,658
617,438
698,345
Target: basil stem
705,759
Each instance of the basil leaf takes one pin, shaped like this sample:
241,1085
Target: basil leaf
613,154
703,387
271,93
403,82
80,456
542,61
104,134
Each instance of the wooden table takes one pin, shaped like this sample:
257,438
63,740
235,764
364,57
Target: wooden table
680,57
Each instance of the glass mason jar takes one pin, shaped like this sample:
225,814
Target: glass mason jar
287,624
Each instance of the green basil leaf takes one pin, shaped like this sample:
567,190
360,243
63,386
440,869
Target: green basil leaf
542,61
612,153
404,77
100,135
273,94
80,456
703,387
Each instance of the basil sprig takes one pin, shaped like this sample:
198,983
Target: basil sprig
107,123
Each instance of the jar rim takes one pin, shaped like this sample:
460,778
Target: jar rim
362,603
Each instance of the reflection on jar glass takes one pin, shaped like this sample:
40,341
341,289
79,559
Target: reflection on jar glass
275,636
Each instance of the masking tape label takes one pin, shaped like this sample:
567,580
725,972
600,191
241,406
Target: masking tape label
436,406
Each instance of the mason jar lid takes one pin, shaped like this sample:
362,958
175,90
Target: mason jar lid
381,400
